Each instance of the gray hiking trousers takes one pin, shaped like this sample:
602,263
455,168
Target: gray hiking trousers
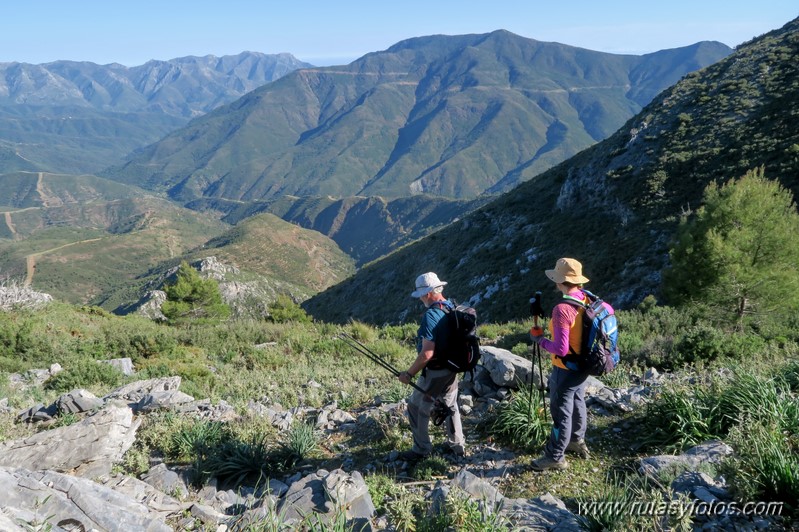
567,405
437,383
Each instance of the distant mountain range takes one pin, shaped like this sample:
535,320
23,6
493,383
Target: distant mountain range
614,206
88,240
407,150
80,117
453,116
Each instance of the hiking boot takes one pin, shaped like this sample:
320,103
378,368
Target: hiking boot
579,448
452,449
544,462
410,456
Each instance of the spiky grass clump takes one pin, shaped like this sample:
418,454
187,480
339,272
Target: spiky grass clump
300,442
677,418
234,460
523,418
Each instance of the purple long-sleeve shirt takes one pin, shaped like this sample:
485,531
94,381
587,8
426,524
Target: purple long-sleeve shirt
563,317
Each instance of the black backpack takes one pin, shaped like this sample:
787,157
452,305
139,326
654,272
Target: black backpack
461,352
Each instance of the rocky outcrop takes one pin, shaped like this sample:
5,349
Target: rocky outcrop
47,500
87,448
17,296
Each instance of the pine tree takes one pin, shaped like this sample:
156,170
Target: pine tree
739,257
193,298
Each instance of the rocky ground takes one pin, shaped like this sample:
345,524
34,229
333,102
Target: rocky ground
63,478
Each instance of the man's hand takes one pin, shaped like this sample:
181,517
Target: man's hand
405,377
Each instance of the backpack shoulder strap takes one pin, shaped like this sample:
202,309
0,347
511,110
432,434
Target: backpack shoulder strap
574,301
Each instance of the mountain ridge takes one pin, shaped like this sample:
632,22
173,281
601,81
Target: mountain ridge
442,115
615,206
80,117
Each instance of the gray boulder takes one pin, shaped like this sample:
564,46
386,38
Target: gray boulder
350,492
89,447
134,392
542,513
124,365
78,402
54,501
167,481
508,370
711,452
162,400
38,412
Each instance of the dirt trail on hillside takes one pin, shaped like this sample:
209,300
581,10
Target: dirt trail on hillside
10,225
44,194
30,260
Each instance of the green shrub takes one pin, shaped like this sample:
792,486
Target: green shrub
381,488
701,342
138,340
192,299
430,468
522,421
402,511
84,373
284,310
403,334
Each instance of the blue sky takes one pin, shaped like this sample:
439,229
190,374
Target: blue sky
339,31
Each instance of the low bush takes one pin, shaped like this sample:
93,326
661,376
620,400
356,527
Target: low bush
284,310
84,373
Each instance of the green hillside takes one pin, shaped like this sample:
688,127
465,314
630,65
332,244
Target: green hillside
267,245
265,256
615,205
366,228
450,116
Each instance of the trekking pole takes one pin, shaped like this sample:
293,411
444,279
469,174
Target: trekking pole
537,311
374,357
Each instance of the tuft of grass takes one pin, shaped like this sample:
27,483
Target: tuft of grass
300,442
234,460
678,418
193,440
523,420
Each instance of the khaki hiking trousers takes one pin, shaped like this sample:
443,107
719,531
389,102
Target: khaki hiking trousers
437,383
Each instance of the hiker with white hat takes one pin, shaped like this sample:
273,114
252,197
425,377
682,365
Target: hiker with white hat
567,382
438,382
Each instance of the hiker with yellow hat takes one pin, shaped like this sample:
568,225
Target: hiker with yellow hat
567,382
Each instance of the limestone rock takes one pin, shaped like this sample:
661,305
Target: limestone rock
508,370
69,503
89,447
